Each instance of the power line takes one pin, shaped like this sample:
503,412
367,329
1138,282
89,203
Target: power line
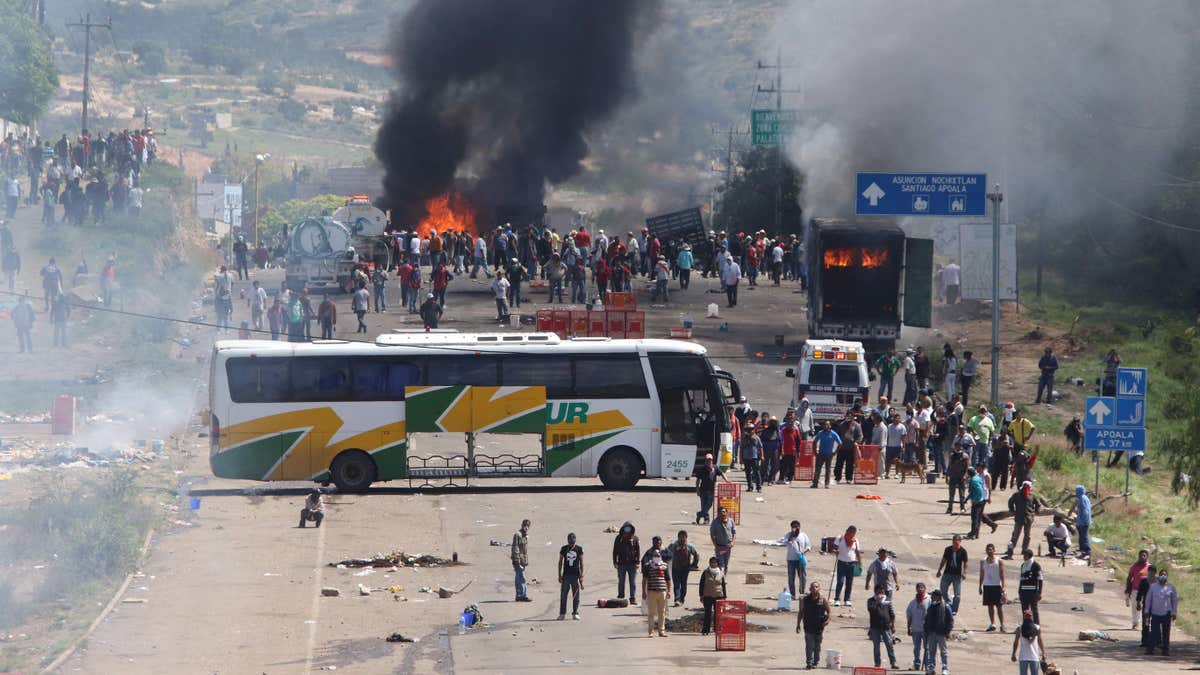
87,26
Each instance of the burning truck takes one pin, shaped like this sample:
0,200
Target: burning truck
865,280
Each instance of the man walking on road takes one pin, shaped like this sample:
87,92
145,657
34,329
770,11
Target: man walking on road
1162,606
23,316
731,274
798,546
915,614
362,304
1024,507
656,580
627,554
882,625
570,577
1048,364
952,570
1083,520
723,532
520,560
939,621
706,488
813,618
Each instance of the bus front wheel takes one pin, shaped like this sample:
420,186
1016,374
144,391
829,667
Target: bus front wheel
353,471
620,469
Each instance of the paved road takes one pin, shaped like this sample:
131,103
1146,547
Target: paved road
238,589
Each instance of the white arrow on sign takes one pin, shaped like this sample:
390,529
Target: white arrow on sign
1100,411
874,193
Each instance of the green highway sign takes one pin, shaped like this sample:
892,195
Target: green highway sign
772,127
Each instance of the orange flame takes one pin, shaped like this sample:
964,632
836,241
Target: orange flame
874,257
450,211
869,258
838,257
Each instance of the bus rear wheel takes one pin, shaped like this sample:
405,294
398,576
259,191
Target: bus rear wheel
353,471
620,469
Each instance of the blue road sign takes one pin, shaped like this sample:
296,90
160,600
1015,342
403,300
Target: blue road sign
1131,382
1126,440
1100,412
921,194
1131,412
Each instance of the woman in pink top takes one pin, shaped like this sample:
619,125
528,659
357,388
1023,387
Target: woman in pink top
1137,572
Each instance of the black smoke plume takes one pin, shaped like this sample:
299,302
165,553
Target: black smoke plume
499,95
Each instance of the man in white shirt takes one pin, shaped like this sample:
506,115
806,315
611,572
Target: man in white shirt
258,305
1058,537
951,275
798,546
910,377
730,276
480,258
776,263
500,288
894,436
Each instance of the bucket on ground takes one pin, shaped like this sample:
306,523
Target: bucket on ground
194,502
833,659
514,320
1089,587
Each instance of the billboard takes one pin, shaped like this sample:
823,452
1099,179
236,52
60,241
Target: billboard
975,259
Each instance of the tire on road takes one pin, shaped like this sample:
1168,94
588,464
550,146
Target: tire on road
353,471
620,468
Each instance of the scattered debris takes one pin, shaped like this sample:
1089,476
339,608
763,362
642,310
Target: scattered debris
395,559
767,542
330,592
1090,635
753,578
497,542
363,590
397,637
134,601
610,529
1077,608
962,635
768,563
760,499
444,592
869,496
692,623
369,570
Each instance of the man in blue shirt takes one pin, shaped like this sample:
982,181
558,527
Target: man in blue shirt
827,442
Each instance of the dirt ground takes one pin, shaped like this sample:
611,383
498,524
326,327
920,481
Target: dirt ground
238,589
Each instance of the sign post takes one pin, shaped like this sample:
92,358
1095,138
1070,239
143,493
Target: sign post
1118,422
773,127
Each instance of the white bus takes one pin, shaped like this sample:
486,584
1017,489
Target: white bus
345,412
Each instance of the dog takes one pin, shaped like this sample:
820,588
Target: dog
904,468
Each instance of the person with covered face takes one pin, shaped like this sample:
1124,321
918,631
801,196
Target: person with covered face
626,556
1162,607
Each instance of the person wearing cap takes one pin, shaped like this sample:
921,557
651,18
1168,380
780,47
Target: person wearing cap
938,623
431,311
684,263
706,487
1028,649
656,582
313,509
662,276
884,571
1024,506
914,616
656,545
882,624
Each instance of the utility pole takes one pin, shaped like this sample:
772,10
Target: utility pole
779,91
725,150
995,198
87,27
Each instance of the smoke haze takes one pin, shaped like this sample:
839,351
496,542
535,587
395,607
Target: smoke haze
1064,104
503,91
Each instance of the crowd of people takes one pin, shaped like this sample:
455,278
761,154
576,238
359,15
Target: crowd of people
90,177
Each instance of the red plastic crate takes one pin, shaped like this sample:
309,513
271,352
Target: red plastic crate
866,465
614,324
623,300
729,497
545,321
597,324
731,626
635,325
806,461
579,322
562,322
869,670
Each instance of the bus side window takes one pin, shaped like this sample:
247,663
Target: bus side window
320,379
258,380
382,380
610,376
477,370
820,373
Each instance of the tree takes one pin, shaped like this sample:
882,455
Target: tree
343,110
747,201
151,56
292,110
28,78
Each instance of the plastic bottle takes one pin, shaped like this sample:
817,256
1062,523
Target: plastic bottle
784,601
462,626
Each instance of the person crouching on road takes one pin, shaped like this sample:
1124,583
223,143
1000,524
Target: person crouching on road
656,581
313,509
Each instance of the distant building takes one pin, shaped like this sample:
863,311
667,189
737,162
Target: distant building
344,180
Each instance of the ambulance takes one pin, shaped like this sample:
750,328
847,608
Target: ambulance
833,374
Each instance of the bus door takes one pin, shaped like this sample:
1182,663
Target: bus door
689,426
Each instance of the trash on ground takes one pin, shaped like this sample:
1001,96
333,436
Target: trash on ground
768,563
611,530
397,637
753,578
369,570
1077,608
1097,540
1089,635
497,542
918,569
760,499
692,623
363,590
936,537
444,592
330,592
868,496
1117,549
134,601
962,635
767,542
395,559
